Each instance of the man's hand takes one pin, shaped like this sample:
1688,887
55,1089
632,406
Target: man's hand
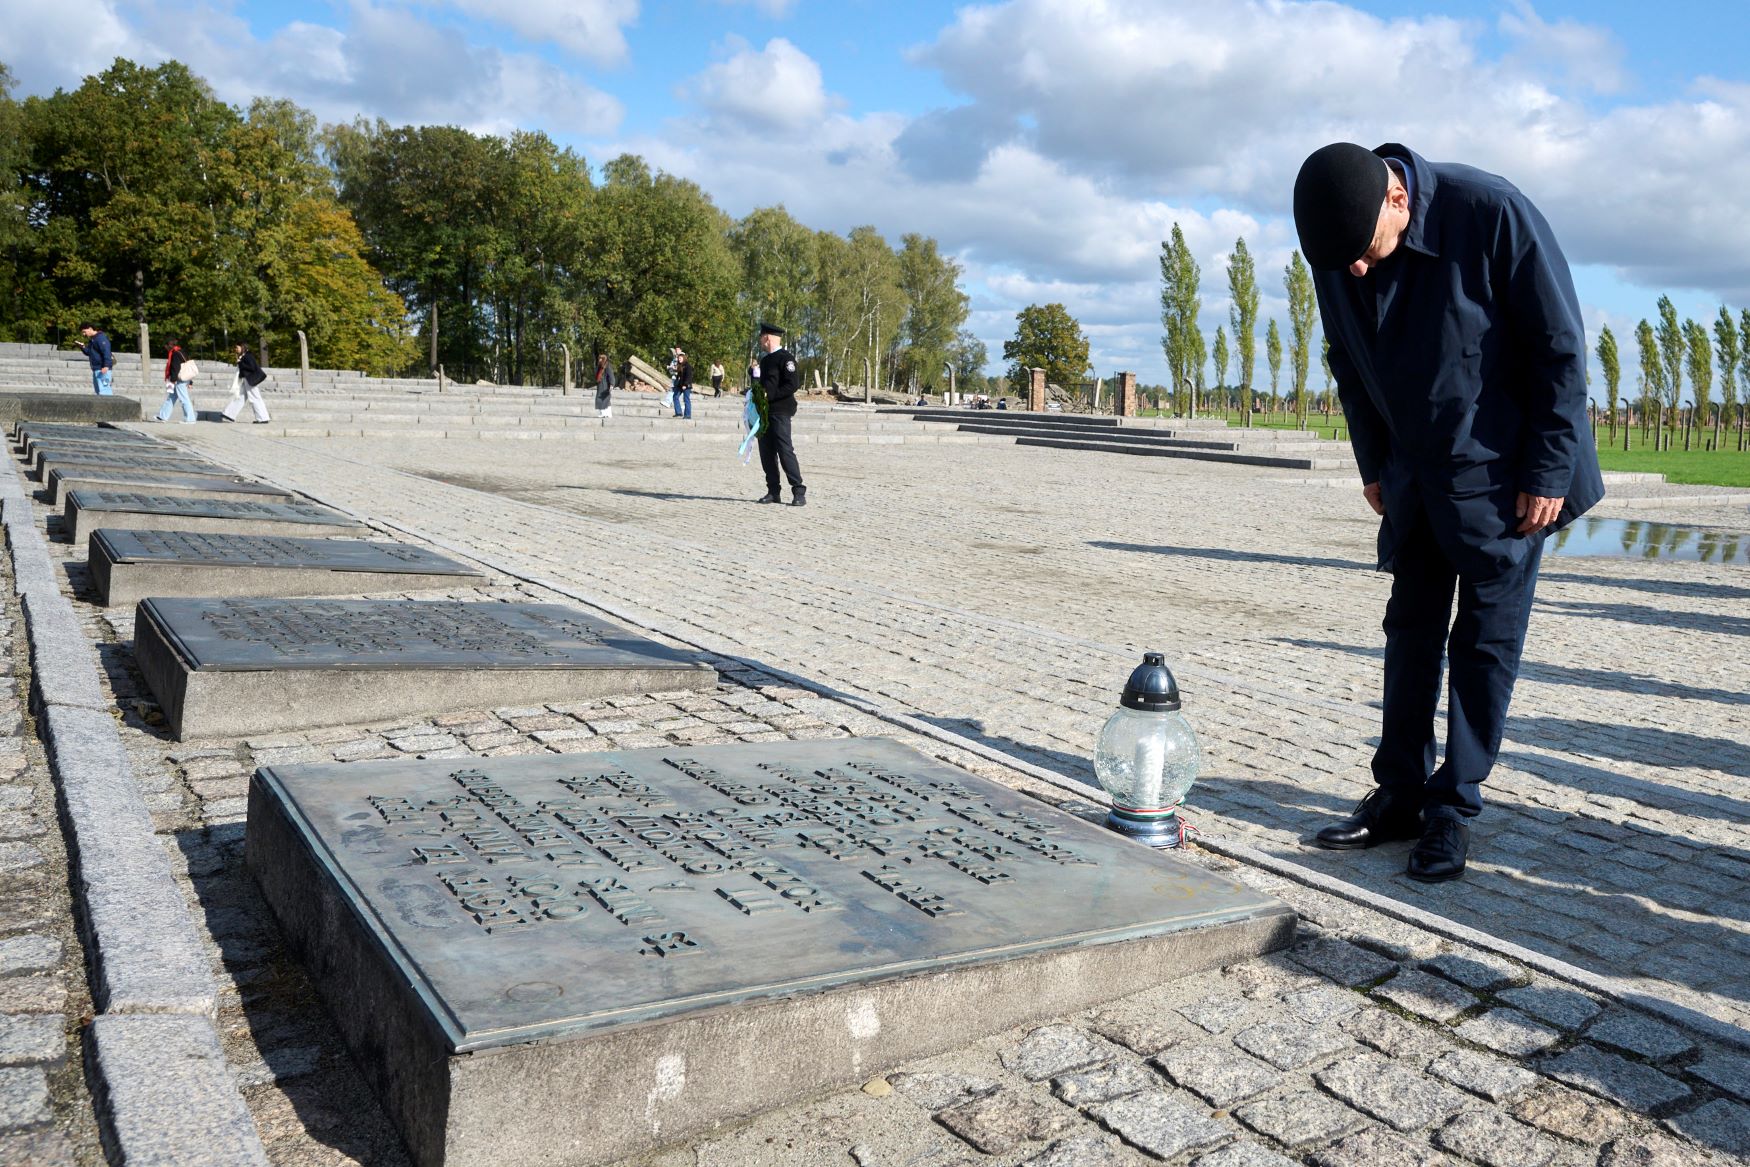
1370,492
1536,513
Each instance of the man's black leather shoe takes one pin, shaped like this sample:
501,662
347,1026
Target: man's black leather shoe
1440,854
1382,817
769,496
798,497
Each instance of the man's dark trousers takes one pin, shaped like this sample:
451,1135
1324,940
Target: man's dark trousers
775,448
1482,647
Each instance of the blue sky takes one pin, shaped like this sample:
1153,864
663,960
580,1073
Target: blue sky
1049,144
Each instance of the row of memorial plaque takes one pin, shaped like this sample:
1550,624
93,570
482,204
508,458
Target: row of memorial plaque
570,958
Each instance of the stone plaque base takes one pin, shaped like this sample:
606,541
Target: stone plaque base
88,510
169,484
22,432
224,667
567,960
128,566
46,458
67,407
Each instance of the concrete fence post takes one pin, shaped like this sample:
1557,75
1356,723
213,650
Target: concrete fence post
145,357
566,349
303,362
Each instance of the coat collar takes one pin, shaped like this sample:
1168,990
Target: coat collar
1422,235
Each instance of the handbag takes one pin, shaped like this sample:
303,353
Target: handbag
188,372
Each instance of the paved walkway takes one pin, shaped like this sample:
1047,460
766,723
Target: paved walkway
1005,593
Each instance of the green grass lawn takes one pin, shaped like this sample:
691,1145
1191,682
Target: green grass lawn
1696,467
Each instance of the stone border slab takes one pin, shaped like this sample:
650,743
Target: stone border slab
63,481
166,1094
88,510
167,1098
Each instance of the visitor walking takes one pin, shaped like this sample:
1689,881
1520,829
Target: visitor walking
101,354
179,375
1460,359
604,386
776,372
683,386
246,386
716,378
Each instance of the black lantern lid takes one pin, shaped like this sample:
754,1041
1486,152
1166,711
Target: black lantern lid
1151,686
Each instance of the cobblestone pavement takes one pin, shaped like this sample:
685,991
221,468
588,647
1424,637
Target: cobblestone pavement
1005,593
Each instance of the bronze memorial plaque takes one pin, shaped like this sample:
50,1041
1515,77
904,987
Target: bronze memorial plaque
534,903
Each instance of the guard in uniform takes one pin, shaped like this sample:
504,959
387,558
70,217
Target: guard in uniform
778,376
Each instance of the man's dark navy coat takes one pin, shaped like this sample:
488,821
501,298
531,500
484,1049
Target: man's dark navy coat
1461,364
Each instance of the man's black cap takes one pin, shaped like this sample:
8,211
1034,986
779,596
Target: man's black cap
1337,197
773,329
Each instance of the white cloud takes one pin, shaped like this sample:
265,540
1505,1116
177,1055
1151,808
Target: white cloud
778,87
590,29
54,45
771,9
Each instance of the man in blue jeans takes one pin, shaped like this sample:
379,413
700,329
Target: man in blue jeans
97,350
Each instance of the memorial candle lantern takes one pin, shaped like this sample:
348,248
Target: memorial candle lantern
1146,757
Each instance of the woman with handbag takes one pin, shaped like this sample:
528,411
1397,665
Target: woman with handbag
604,386
246,386
179,375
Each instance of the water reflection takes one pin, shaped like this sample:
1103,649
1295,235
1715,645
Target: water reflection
1637,539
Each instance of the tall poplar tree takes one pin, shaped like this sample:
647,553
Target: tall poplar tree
1303,311
1221,357
1242,314
1610,361
1727,348
1699,359
1652,371
1273,355
1673,348
1179,277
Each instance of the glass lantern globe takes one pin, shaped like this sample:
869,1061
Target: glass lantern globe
1147,757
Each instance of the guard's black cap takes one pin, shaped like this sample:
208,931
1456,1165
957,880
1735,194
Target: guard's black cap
771,328
1337,197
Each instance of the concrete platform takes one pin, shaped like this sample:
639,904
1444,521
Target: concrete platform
245,666
128,566
67,407
88,510
565,960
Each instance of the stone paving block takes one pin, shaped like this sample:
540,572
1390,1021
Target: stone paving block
1647,1151
1378,1148
1729,1072
1081,1151
31,1038
1482,971
1426,996
1300,1119
24,1098
1288,1045
64,669
1400,1098
1242,1155
1494,1140
1342,961
28,954
1104,1083
1322,1003
934,1091
1494,1079
1158,1123
1139,1035
38,1148
1721,1124
1509,1032
1638,1034
1218,1075
1215,1014
1562,1007
1572,1114
15,856
1056,1049
165,1088
1611,1076
1003,1121
1391,1035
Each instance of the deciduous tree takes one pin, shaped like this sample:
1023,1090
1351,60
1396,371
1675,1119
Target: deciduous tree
1047,337
1242,314
1273,356
1610,362
1303,311
1728,343
1179,279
